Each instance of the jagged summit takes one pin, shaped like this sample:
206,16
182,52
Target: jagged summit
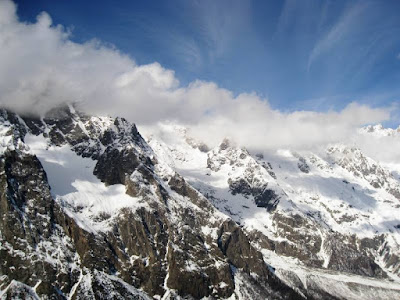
379,130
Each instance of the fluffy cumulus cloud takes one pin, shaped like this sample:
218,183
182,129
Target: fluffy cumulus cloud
41,68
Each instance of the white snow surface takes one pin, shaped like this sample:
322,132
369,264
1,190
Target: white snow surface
83,196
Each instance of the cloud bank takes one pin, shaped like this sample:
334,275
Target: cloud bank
42,68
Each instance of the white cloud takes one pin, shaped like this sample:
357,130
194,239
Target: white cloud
41,68
384,149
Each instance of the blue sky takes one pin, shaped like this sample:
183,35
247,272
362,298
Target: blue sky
312,55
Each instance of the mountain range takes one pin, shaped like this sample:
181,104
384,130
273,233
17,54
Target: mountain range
91,208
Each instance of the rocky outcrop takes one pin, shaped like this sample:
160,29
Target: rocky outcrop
346,255
30,237
302,239
99,285
299,238
241,254
257,179
354,161
303,166
263,196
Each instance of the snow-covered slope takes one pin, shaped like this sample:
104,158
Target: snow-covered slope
82,195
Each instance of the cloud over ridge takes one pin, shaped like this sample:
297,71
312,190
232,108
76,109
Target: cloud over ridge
42,68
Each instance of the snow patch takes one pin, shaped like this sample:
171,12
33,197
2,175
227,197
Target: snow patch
82,195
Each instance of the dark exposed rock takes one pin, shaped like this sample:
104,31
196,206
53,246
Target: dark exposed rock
196,278
199,145
346,256
203,148
302,240
267,198
303,166
263,197
268,167
27,221
224,145
236,246
178,184
115,166
25,196
240,186
34,125
241,254
17,130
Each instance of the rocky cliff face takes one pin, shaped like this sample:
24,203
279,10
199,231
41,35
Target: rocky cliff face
88,211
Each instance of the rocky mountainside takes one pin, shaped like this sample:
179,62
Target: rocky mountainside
328,219
89,209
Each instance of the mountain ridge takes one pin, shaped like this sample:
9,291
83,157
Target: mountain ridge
154,248
168,232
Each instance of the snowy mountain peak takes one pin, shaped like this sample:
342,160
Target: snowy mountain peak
353,160
380,131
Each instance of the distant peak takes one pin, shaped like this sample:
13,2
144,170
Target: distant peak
376,127
225,144
379,130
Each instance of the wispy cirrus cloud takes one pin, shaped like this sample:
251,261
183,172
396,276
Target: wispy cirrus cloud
347,24
300,16
218,23
191,34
